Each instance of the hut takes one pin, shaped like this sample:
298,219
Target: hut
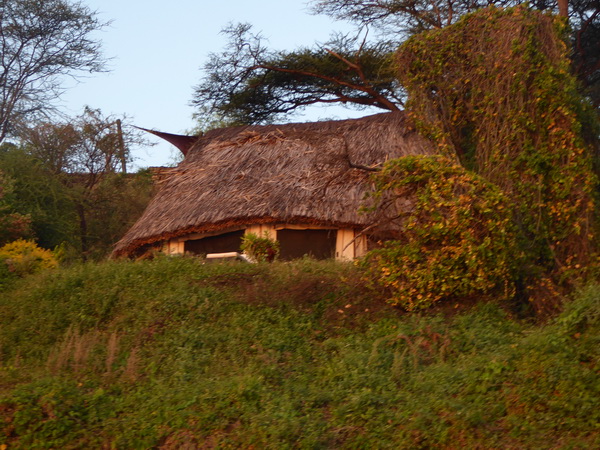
302,184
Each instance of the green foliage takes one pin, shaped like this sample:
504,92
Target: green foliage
456,237
12,225
113,207
495,90
109,203
175,353
25,257
50,412
40,195
84,156
260,249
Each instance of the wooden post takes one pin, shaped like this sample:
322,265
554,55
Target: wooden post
121,147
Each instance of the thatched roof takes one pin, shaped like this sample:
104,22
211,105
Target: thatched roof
295,173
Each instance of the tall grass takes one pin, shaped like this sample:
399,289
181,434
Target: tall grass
171,353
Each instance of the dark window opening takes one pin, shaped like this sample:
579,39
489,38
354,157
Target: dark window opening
319,244
222,243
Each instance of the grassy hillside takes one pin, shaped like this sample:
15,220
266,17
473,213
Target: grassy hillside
171,353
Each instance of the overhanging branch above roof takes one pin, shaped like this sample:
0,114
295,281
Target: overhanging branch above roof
182,142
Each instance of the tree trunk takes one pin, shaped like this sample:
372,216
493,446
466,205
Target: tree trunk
563,8
121,147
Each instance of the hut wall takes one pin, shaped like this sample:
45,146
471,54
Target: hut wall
347,245
260,230
174,247
220,243
345,249
317,243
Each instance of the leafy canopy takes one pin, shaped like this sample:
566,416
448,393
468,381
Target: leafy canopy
12,224
69,179
248,83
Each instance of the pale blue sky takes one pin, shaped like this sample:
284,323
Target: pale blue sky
158,49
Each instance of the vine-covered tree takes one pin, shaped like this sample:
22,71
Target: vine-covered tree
41,43
494,91
249,83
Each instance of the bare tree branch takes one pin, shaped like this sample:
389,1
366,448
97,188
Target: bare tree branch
40,44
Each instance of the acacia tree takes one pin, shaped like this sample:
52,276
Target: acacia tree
415,16
248,83
41,43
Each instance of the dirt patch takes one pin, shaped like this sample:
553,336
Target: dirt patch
233,280
339,301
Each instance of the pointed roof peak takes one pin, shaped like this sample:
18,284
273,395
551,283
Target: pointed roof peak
181,141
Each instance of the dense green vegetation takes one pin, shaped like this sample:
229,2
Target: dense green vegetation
80,212
172,352
507,107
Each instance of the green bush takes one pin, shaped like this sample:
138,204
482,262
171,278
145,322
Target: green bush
12,224
456,236
259,248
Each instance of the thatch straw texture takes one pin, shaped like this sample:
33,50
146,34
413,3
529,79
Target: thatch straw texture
295,173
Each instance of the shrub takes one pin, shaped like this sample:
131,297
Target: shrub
259,248
495,90
12,224
456,235
25,257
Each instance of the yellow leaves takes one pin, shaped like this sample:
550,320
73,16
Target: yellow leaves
449,248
